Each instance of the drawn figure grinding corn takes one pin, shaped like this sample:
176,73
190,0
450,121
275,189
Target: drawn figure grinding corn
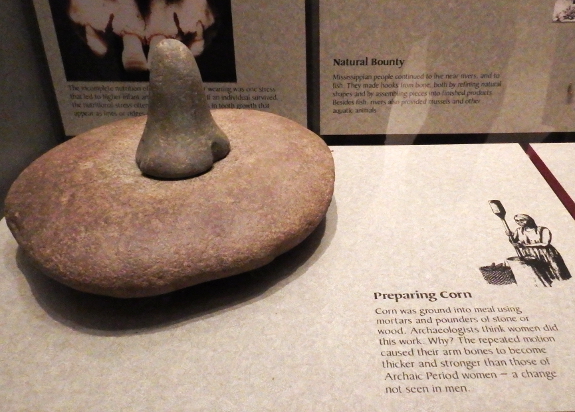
536,258
534,243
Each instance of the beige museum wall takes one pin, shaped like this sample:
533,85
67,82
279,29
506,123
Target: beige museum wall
30,122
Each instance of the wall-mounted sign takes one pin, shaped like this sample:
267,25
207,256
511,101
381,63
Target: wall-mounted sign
250,55
410,67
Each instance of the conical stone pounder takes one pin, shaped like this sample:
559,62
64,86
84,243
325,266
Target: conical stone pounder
181,138
89,216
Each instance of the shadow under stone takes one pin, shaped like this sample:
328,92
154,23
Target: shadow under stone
103,315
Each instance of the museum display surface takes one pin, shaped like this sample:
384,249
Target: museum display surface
384,303
423,277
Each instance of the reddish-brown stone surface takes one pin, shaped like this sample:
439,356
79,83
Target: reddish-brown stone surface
89,218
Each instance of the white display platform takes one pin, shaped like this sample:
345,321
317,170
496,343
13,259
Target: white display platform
382,308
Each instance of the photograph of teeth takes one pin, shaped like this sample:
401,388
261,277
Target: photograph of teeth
116,35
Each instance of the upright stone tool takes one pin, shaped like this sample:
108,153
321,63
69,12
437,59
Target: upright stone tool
181,138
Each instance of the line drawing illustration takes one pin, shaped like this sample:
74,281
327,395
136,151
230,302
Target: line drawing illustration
536,260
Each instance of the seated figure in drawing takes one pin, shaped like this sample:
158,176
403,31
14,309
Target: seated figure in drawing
533,244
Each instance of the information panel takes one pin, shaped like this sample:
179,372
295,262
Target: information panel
250,55
411,67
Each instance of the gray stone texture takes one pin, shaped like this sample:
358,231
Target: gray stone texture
181,138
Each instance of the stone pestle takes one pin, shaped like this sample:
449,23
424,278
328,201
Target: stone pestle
181,138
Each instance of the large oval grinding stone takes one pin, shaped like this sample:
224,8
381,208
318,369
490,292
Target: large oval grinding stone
90,219
96,218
